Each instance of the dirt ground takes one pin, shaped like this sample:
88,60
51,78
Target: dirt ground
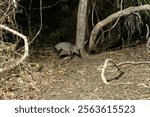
80,78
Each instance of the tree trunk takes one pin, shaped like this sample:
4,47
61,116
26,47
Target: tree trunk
82,24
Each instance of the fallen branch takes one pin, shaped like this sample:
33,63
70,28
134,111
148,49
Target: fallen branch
103,68
26,52
111,18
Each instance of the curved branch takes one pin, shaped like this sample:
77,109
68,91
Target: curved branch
26,53
104,69
111,18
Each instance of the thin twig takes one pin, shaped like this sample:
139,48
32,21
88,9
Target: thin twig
94,4
45,7
30,6
109,30
41,24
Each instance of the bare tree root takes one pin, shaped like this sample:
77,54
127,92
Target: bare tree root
103,68
148,45
148,39
133,24
26,52
111,18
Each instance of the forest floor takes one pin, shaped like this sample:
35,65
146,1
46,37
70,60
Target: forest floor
80,78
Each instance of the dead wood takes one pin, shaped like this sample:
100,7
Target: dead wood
120,72
110,19
26,51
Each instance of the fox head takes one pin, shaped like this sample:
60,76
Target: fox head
76,51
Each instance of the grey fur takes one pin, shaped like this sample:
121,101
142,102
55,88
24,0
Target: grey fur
66,49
